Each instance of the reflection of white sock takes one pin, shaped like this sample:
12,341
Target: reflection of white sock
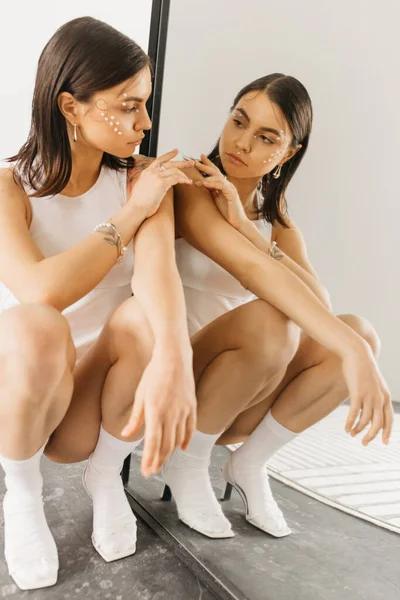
250,474
186,473
267,438
30,550
114,524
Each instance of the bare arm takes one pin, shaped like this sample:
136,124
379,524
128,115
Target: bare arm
202,225
292,245
62,279
156,283
165,399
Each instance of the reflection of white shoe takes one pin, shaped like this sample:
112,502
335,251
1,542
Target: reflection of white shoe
114,524
188,481
29,547
253,487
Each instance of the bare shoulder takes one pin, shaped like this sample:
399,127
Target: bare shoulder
12,192
141,163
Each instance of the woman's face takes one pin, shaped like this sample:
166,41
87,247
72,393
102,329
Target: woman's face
115,119
256,138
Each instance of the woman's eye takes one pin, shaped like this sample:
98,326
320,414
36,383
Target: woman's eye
266,140
133,109
238,123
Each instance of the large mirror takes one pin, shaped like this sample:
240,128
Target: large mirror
343,199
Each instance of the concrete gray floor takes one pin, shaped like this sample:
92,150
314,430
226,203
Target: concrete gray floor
153,573
329,556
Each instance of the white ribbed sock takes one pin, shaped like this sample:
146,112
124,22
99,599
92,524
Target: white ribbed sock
110,453
23,477
30,550
248,465
267,438
114,524
199,448
186,473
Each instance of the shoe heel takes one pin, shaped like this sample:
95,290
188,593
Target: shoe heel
228,493
167,494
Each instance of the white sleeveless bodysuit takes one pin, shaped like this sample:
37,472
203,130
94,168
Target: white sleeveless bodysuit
210,291
59,222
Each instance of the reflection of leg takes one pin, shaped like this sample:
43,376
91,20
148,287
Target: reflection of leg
36,360
312,388
127,342
186,474
235,357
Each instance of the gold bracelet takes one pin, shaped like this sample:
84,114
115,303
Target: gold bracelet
274,252
113,237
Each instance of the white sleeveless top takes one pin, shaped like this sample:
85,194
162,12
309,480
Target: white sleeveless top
59,222
210,291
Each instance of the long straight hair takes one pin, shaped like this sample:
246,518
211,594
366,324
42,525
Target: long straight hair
84,56
295,104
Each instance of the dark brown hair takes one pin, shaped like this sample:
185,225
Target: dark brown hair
295,104
84,56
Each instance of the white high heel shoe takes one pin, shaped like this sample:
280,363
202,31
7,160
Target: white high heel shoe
117,539
269,518
30,567
198,508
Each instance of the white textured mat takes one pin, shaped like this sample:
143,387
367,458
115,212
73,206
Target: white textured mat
330,466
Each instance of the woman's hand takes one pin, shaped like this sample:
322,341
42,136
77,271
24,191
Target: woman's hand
154,182
370,397
224,193
165,402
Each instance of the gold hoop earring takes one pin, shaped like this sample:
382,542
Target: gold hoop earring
276,174
75,136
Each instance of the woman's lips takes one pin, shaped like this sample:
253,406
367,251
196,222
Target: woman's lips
236,160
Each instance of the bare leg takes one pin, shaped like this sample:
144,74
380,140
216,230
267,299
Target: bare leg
236,356
36,361
312,388
107,379
105,382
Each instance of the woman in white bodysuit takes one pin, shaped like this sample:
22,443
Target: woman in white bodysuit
68,214
279,360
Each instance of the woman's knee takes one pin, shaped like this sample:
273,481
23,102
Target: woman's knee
365,330
128,330
36,346
270,337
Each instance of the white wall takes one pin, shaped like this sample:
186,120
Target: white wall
345,196
25,29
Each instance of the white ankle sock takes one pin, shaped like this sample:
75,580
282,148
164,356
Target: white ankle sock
200,447
186,473
114,524
110,452
30,550
267,438
247,468
23,477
